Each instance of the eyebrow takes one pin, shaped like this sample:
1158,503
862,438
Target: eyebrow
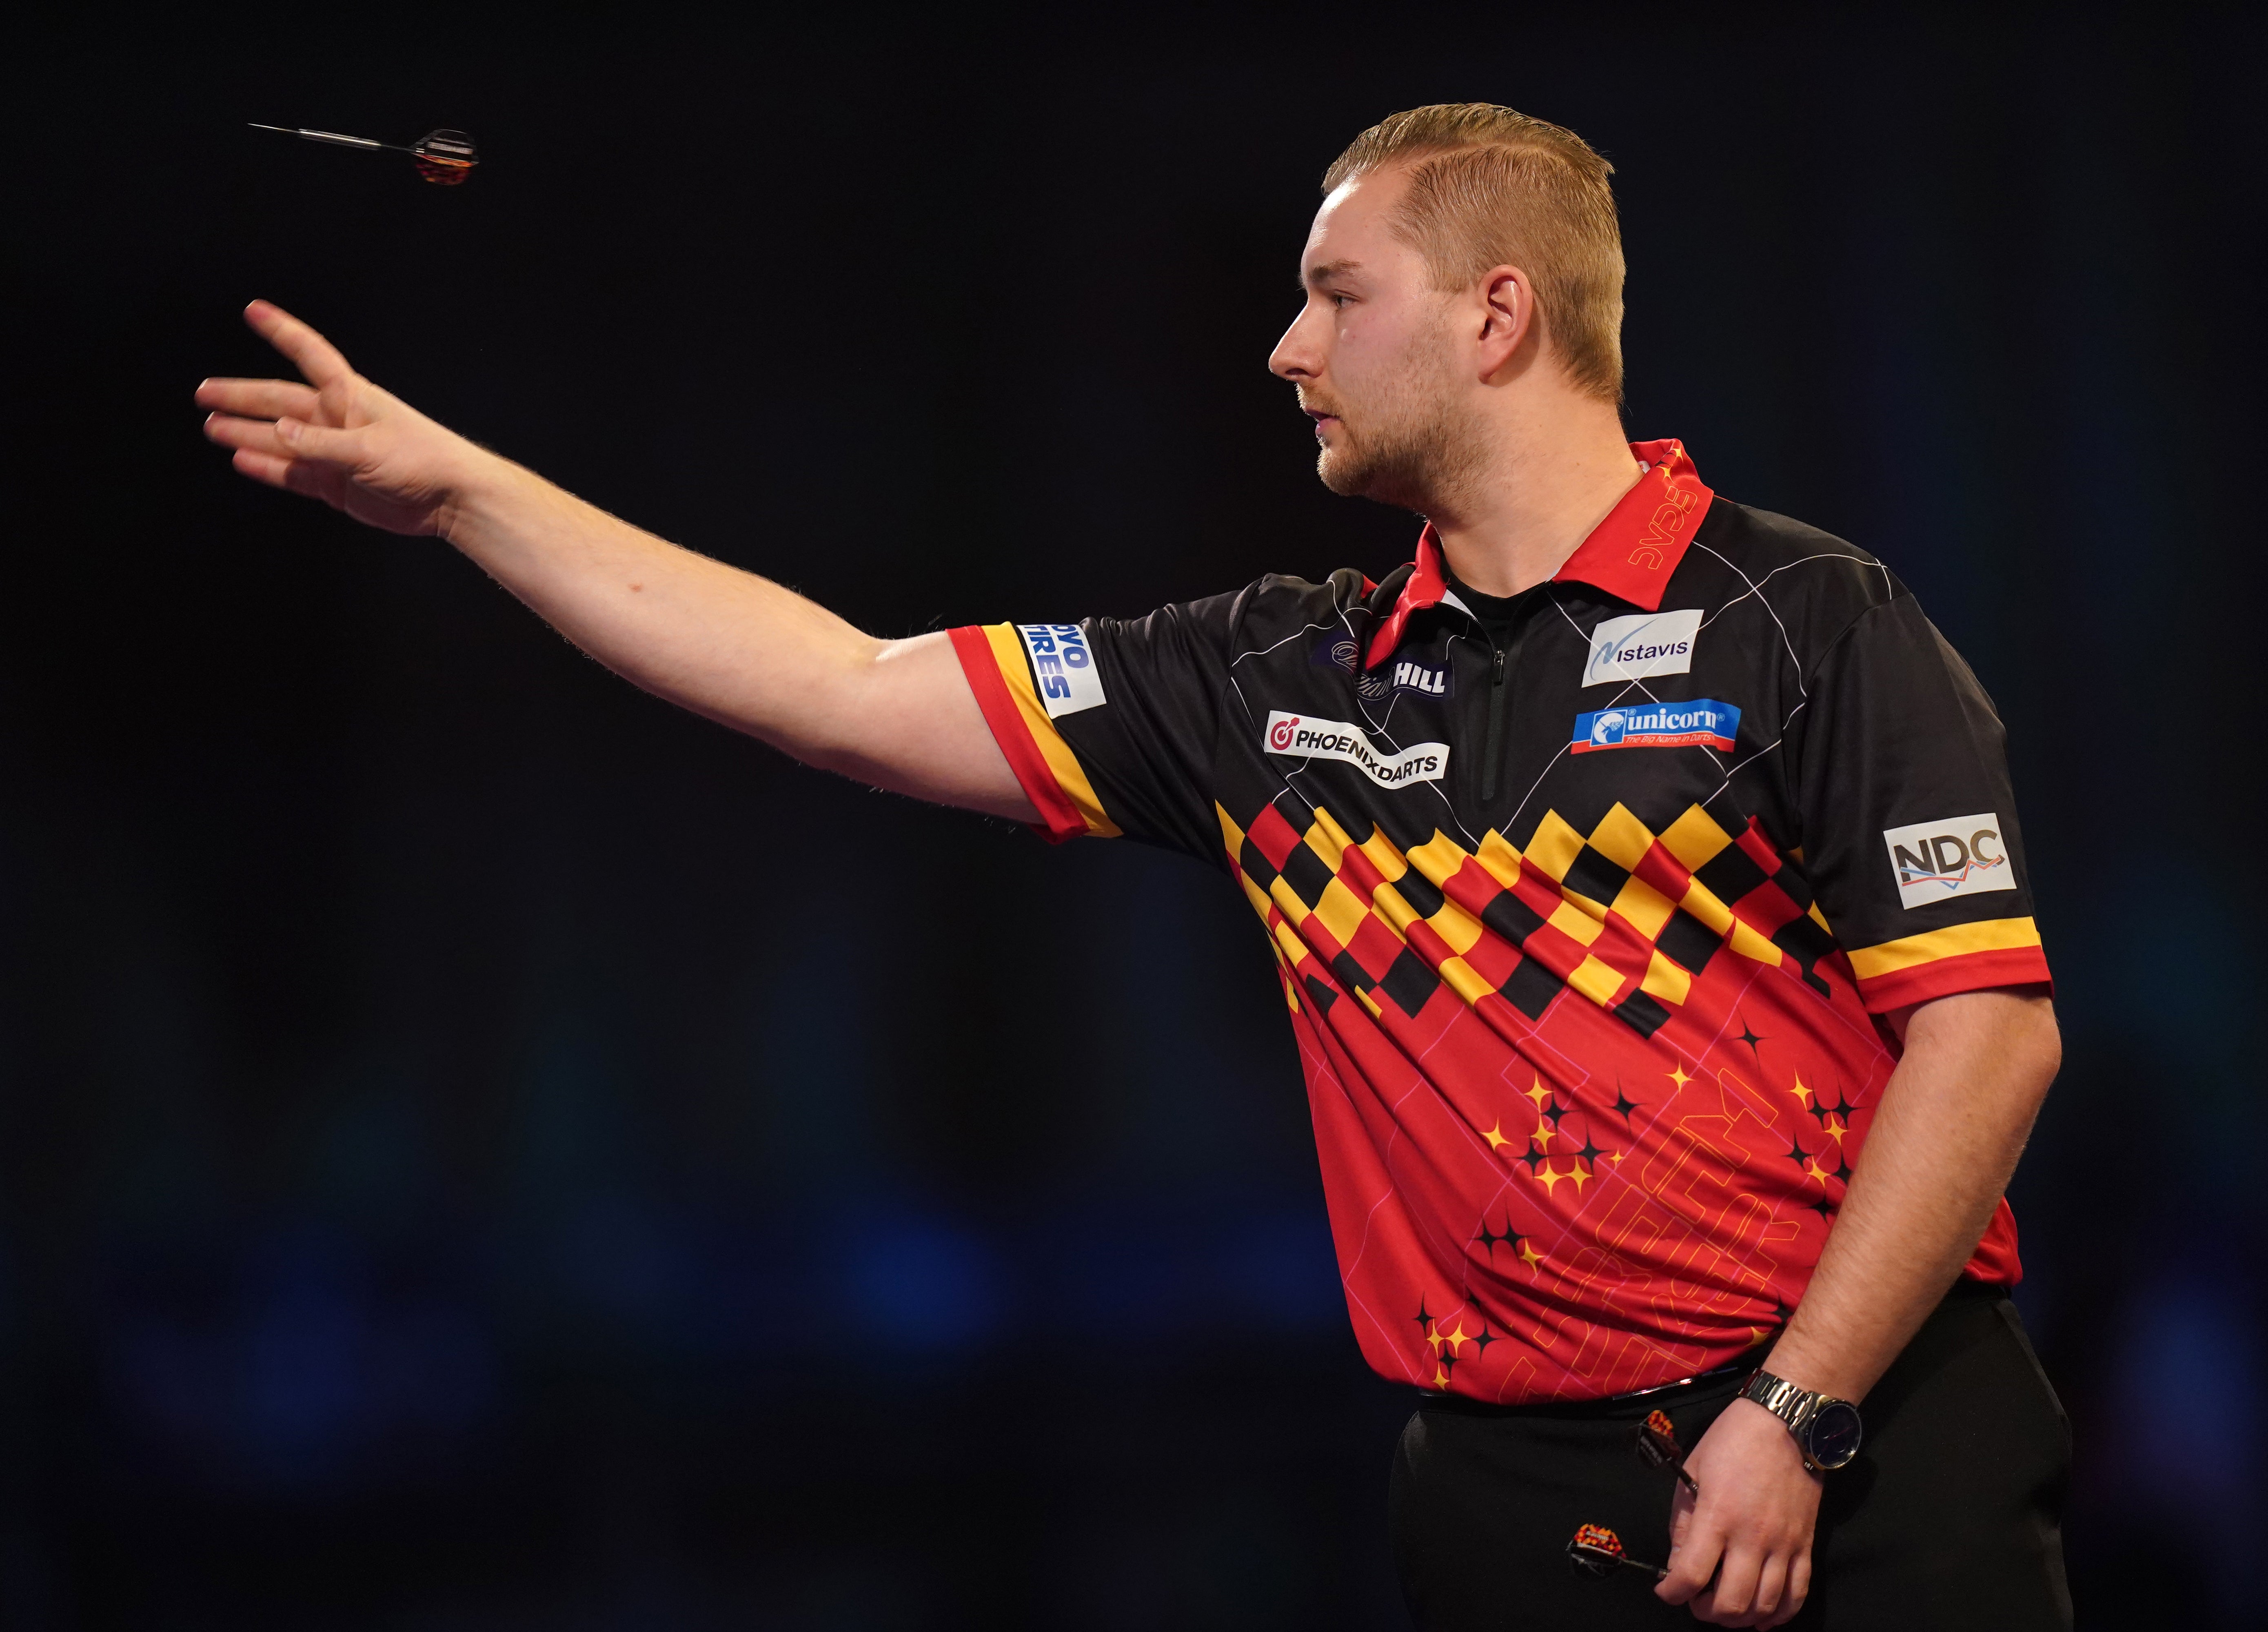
1327,269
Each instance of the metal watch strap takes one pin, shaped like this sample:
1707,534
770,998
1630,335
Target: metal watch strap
1792,1404
1782,1399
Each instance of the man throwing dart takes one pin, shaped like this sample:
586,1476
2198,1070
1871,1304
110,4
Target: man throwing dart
1643,874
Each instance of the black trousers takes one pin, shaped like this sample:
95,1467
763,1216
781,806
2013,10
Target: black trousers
1950,1519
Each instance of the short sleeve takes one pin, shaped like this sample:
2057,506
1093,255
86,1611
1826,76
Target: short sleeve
1110,724
1910,832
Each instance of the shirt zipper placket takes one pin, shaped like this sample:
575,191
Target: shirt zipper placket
1492,750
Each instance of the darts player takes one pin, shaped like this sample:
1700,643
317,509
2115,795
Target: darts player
1641,870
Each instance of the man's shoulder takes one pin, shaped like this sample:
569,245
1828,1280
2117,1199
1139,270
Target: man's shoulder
1269,610
1815,583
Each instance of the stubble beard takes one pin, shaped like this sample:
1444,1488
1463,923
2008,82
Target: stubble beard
1413,449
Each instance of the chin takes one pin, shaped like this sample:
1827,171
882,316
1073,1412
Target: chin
1348,477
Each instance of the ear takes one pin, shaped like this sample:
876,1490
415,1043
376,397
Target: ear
1507,318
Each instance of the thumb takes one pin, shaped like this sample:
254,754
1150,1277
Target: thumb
322,442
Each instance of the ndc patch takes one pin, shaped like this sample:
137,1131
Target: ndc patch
1935,861
1305,738
1702,723
1063,667
1642,645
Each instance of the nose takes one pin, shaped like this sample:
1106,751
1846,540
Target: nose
1296,358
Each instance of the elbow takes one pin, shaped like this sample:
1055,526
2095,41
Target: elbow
2043,1045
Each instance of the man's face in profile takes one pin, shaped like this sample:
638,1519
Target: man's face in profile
1372,353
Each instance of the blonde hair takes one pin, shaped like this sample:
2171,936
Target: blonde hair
1490,187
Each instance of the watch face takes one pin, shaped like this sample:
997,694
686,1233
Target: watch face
1833,1433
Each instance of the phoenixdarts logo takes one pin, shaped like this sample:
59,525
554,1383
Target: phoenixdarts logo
1336,739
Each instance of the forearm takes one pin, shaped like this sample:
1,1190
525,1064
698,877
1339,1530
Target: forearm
1952,1121
720,641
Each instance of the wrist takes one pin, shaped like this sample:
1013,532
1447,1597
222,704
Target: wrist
480,488
1827,1429
1809,1367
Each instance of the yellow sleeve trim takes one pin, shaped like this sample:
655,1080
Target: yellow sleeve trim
1063,764
1989,934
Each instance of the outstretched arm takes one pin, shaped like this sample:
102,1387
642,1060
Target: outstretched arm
724,642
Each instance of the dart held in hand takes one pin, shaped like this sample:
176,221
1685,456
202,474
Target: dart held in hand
1657,1446
444,158
1597,1550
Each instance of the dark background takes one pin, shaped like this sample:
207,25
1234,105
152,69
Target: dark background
480,1149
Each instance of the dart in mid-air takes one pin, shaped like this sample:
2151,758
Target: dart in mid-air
444,158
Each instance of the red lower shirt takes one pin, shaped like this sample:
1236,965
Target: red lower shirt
1586,923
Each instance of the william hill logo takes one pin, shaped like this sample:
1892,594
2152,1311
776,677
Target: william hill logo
1306,738
1935,861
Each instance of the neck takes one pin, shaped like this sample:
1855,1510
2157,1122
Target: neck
1552,472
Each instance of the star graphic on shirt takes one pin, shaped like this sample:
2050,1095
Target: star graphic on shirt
1530,1254
1815,1171
1483,1337
1424,1320
1821,1110
1796,1153
1532,1156
1749,1037
1550,1176
1441,1375
1824,1207
1803,1093
1510,1238
1457,1337
1836,1129
1677,1075
1842,1168
1538,1092
1542,1136
1554,1111
1496,1135
1590,1152
1624,1104
1582,1176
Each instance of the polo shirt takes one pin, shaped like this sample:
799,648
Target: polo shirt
1584,924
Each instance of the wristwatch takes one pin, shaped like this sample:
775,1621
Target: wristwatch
1827,1430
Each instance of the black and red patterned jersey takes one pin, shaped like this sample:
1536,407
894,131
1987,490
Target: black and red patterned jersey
1584,917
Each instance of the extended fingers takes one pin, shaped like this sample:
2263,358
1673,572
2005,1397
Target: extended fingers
287,439
292,475
317,358
260,399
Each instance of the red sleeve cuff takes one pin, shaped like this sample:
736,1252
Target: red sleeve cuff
1967,958
1059,818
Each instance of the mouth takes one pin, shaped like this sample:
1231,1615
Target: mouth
1321,420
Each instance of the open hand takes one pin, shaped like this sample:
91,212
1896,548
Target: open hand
1751,1527
337,437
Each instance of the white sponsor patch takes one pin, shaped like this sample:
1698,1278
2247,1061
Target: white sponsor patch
1063,667
1307,738
1935,861
1642,645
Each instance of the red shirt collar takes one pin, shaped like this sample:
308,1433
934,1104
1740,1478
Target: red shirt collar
1630,555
